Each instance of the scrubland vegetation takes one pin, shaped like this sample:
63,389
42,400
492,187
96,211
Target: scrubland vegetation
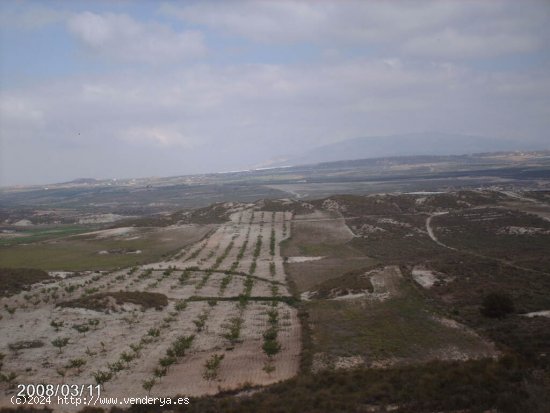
405,303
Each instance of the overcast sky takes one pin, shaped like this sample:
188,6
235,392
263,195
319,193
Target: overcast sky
131,89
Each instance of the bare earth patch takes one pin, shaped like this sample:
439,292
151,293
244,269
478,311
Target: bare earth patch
292,260
545,313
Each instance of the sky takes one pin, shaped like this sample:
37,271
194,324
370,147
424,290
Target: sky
119,89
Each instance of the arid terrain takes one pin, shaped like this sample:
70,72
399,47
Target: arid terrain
391,302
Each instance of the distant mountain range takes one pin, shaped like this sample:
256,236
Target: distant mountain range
80,181
431,143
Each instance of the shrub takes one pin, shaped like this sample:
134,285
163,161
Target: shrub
248,284
180,305
271,347
167,361
148,385
76,364
497,305
159,372
115,367
272,242
212,366
136,348
200,321
60,343
101,377
153,332
127,357
57,324
234,330
181,345
225,281
270,334
81,328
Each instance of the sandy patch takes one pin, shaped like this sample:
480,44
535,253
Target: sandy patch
292,260
324,361
545,313
23,223
351,296
426,278
101,218
348,362
392,221
333,205
523,231
108,233
7,234
60,274
385,282
367,229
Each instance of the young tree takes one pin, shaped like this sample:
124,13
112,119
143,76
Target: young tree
62,373
148,385
212,367
271,347
159,372
127,357
57,324
81,328
76,364
60,343
102,377
8,378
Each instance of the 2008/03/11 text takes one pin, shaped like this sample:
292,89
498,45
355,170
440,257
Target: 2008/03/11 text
53,390
80,394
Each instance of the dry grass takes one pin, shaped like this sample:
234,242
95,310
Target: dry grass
350,283
103,301
401,329
15,280
82,252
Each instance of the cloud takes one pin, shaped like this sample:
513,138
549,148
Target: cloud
19,109
262,21
208,118
448,29
120,37
453,44
370,68
253,106
166,136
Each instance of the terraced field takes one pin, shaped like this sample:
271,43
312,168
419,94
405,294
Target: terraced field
214,316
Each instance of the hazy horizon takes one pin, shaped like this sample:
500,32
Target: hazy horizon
134,89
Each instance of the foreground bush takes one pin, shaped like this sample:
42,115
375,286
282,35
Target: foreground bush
497,306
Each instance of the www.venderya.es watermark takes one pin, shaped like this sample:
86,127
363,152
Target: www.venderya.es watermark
81,395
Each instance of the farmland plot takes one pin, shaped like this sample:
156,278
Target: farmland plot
192,324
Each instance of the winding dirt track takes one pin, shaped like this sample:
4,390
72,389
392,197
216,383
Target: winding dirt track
432,235
431,231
